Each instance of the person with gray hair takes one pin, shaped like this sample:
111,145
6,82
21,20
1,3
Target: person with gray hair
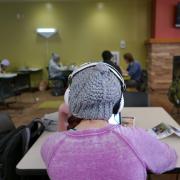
3,65
55,66
93,149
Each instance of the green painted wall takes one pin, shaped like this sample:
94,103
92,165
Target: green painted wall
84,30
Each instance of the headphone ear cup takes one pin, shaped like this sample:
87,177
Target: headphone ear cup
66,96
118,107
121,104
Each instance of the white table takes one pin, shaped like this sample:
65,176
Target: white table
146,118
30,69
7,75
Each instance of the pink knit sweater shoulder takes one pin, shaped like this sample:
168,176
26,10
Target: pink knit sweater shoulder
111,153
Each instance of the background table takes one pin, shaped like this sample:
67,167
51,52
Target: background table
25,75
8,75
32,163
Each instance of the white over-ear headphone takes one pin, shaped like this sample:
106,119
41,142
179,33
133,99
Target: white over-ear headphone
66,96
120,103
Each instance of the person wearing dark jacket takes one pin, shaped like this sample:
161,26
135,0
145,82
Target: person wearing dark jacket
107,58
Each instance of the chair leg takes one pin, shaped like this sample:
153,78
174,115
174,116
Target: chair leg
175,110
177,176
178,111
35,99
149,177
18,98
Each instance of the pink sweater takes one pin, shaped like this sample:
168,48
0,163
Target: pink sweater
111,153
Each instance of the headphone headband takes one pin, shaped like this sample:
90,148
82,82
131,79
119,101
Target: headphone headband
111,68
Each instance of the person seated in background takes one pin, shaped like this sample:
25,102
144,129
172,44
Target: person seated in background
133,69
55,66
107,58
94,149
4,65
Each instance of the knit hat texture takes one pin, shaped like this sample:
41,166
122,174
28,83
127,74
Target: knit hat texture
94,92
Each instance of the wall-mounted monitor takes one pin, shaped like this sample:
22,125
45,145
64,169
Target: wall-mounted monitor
178,15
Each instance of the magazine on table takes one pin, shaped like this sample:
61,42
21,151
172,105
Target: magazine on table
163,130
50,121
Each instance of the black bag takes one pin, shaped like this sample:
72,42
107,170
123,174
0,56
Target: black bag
12,148
36,128
14,145
6,124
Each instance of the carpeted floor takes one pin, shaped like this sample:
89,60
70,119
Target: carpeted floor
50,104
30,106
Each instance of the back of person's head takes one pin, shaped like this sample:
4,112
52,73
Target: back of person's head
107,55
129,57
5,63
93,93
55,57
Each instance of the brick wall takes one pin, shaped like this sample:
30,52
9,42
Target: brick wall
160,64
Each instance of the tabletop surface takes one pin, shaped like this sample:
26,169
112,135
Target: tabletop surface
8,75
145,118
30,69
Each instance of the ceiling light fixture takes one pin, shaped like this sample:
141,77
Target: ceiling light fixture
46,32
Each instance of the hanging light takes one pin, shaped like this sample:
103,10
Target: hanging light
46,32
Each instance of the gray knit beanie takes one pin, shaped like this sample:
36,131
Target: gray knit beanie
94,92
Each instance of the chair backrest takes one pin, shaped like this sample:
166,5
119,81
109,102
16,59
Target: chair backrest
49,77
6,89
6,124
144,75
12,148
14,145
36,128
136,99
47,68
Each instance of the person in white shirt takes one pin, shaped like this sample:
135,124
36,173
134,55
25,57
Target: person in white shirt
55,66
3,65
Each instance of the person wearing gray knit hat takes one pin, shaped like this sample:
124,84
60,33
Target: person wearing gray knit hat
94,92
94,149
